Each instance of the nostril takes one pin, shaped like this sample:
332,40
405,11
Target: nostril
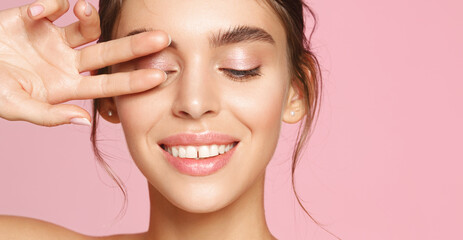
193,115
184,114
195,105
209,112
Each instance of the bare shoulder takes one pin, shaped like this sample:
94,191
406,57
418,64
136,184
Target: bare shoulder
20,228
138,236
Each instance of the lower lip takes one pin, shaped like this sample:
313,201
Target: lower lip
200,167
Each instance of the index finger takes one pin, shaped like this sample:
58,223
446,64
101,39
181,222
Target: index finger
121,50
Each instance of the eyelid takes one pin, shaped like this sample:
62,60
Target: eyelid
240,70
157,60
247,74
241,63
167,67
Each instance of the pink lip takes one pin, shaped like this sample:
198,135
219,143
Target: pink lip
198,167
189,139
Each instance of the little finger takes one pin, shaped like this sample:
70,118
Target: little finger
51,9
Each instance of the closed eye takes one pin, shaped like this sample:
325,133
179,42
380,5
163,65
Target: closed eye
240,75
170,72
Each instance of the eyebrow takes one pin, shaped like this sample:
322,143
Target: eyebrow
240,34
236,34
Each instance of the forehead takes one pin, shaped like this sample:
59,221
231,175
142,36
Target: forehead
196,20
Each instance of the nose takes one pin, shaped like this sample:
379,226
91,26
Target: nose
197,95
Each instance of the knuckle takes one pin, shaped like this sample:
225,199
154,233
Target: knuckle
58,7
102,54
53,6
92,28
8,113
131,84
104,86
43,120
7,107
78,59
64,5
95,34
133,46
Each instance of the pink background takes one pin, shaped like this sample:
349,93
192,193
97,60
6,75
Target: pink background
385,161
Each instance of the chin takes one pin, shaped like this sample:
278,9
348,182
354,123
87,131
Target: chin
201,201
204,207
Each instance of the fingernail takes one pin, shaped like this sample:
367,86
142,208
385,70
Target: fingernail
170,40
36,10
80,121
88,9
165,75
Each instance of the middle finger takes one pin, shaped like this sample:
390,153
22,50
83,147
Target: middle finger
121,50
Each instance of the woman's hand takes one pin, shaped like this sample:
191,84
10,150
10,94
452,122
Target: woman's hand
39,67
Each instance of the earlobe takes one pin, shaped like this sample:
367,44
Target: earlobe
107,109
294,110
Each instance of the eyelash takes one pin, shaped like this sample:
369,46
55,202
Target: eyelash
241,75
237,75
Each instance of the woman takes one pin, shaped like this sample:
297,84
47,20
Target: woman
199,87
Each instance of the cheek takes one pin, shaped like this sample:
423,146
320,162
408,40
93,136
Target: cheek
139,112
258,105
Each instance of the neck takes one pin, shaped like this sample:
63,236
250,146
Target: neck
242,219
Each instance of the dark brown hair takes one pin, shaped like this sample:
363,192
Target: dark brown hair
303,65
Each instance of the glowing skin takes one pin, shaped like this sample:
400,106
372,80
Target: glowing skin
199,96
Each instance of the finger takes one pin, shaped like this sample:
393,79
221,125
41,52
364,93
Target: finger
44,114
121,50
87,29
110,85
51,9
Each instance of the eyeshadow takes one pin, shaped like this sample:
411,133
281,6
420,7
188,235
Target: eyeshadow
244,64
158,61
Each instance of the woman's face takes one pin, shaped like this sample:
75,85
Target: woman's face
203,94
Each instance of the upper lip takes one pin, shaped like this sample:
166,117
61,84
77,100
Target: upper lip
197,139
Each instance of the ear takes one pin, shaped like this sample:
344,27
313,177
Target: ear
294,104
106,105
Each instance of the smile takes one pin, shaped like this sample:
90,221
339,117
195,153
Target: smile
198,152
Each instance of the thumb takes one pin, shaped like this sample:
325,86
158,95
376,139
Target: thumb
45,114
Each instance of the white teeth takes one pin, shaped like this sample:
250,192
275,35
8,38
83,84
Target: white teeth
203,152
221,149
196,152
181,152
214,151
191,152
174,151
